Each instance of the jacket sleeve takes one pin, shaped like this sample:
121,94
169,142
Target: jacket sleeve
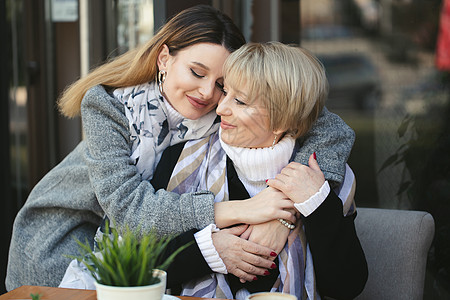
332,140
120,191
339,262
188,264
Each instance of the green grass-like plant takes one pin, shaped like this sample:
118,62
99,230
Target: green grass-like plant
35,296
127,260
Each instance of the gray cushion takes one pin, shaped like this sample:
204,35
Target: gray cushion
396,244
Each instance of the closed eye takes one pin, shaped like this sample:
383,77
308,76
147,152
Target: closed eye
220,87
239,102
196,74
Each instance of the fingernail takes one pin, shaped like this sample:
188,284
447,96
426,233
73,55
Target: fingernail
255,278
273,266
315,156
273,254
266,272
267,180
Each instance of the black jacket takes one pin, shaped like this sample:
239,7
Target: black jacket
339,262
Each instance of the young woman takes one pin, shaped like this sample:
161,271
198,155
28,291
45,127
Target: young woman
132,108
319,254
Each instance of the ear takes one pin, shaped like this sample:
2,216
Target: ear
163,57
279,132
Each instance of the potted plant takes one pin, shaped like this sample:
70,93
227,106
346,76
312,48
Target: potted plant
128,266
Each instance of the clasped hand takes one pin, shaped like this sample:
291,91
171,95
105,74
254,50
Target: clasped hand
299,182
249,251
244,259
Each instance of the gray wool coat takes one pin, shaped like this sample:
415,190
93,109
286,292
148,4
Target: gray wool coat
98,177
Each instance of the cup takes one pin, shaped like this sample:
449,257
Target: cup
270,296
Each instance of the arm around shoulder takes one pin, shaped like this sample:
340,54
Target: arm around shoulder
332,140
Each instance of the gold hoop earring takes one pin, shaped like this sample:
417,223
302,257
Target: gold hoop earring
274,141
161,78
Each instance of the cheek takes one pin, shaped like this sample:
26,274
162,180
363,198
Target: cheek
178,79
217,96
253,121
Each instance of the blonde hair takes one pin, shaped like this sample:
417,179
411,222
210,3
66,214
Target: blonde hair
197,24
290,82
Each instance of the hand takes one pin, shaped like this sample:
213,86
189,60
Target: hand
271,234
242,258
299,182
269,204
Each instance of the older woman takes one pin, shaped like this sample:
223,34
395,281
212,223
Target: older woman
273,94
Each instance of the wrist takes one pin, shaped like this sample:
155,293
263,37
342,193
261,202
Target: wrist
226,213
281,229
286,224
208,250
310,205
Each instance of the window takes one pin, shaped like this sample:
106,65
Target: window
380,61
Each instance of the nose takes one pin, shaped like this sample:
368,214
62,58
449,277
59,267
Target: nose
207,89
223,108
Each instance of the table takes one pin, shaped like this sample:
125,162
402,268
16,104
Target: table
52,293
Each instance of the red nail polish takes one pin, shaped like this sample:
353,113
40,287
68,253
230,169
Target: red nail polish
273,254
256,278
315,156
266,272
267,180
273,266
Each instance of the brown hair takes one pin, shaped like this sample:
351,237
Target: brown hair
197,24
289,80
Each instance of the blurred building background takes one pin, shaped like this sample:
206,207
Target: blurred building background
380,58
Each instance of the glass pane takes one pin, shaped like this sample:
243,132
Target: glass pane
380,61
17,106
134,23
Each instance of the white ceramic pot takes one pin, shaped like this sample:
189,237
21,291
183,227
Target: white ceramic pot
148,292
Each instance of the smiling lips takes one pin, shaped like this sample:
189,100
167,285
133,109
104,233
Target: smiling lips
226,125
197,103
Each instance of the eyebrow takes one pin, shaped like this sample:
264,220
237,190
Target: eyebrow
242,93
239,92
201,65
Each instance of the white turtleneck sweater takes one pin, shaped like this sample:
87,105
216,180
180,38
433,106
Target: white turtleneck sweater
173,116
253,167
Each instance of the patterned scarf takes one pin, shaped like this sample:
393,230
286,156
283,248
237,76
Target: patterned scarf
202,165
154,126
151,128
